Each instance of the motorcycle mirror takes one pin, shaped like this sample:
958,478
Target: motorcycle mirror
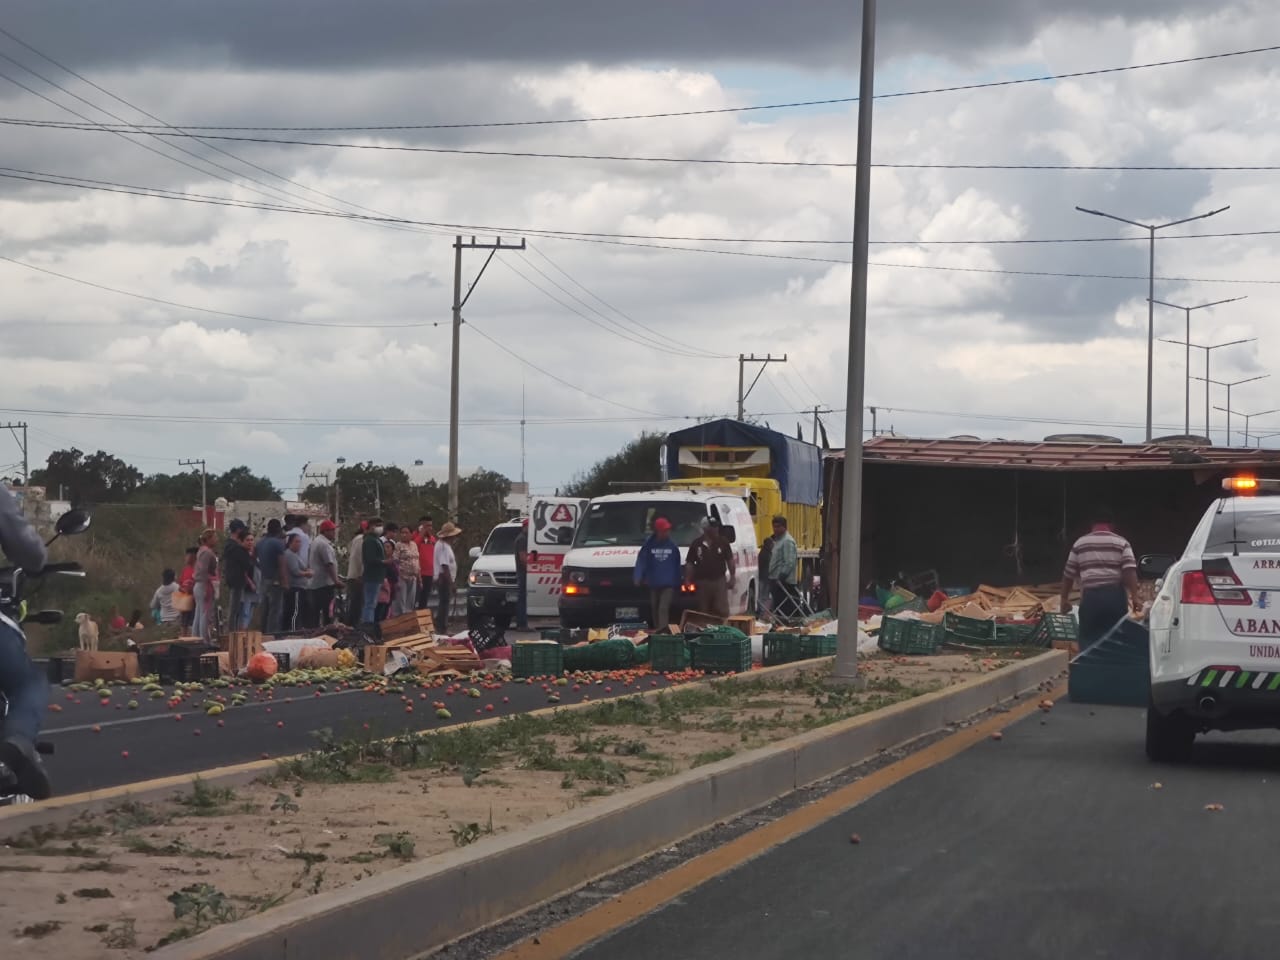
73,522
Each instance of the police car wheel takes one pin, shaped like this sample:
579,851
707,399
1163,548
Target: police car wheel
1169,738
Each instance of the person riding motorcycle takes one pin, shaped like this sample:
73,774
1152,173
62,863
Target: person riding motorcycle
22,683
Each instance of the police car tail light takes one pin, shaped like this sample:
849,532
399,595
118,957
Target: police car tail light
1216,584
1195,588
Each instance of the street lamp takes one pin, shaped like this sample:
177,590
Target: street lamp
1151,229
1187,310
1266,436
845,668
1247,418
1205,378
1233,383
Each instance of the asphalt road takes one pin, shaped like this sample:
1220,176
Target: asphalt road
1050,843
90,740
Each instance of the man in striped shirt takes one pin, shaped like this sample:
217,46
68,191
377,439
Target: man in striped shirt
1103,563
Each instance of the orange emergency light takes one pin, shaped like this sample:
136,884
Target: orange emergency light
1240,485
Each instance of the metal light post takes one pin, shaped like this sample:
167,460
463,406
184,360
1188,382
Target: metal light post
1247,418
1187,311
846,665
1208,350
1151,229
1229,385
1266,436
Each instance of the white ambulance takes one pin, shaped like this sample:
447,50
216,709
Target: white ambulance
597,579
493,585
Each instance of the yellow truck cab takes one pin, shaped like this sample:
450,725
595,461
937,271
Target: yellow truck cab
775,474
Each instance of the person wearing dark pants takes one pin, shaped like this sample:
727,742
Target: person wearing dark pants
373,571
658,568
23,684
237,569
522,576
1104,565
324,576
274,576
446,572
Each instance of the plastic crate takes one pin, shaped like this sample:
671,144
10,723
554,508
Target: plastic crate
668,651
720,655
817,646
284,662
968,630
59,670
893,634
552,633
544,659
912,638
180,668
781,648
1054,627
1013,634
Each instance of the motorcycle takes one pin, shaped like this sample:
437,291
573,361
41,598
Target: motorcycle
13,607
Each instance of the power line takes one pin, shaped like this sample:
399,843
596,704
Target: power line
170,195
219,313
619,158
745,109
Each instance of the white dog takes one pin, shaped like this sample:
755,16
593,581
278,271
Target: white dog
88,632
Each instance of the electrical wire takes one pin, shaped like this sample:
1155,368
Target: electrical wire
209,310
81,183
746,109
618,158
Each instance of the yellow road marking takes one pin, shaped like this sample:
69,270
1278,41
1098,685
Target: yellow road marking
562,940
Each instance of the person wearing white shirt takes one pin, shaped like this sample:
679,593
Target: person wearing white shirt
446,572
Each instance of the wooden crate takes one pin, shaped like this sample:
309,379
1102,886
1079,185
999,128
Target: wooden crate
375,658
460,659
408,625
241,646
747,624
414,641
696,618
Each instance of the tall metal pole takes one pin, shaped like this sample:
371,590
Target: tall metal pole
1186,432
846,664
1207,353
1187,310
742,361
1151,326
453,378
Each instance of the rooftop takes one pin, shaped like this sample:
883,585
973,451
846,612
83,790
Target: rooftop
1058,455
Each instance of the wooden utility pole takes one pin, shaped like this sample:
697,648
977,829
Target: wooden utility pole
204,488
743,360
460,301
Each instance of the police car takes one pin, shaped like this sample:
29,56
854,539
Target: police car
1215,624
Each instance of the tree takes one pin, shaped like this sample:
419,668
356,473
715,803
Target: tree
637,462
366,489
240,483
97,478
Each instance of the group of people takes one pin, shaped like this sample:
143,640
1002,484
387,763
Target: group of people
288,580
710,568
394,569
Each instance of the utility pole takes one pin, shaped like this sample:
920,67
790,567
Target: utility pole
1151,286
522,416
873,422
1187,344
13,428
204,488
846,663
817,411
743,360
319,476
460,301
1248,418
1208,353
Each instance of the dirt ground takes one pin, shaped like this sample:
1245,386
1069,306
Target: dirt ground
122,883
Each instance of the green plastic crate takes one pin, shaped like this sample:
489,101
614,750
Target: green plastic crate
718,655
911,637
968,630
537,660
781,648
1013,634
552,633
812,647
1054,627
668,652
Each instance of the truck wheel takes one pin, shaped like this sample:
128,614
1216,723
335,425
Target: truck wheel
1169,738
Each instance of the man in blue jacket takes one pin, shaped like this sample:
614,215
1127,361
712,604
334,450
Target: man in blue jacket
658,567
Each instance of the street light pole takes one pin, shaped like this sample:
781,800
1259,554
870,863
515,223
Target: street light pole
1247,418
846,664
1151,229
1233,383
1187,344
1207,351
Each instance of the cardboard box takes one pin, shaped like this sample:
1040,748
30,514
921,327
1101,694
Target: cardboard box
105,665
696,618
747,624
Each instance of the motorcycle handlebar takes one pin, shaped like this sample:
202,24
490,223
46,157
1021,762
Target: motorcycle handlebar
69,566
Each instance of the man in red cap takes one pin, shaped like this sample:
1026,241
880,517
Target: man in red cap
324,575
658,568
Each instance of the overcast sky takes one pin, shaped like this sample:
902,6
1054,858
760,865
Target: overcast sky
641,336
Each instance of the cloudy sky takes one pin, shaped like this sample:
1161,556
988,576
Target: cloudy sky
315,329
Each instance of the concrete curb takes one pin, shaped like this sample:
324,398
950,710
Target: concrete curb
410,911
62,810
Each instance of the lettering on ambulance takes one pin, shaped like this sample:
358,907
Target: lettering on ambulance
1257,628
1266,564
1264,650
615,552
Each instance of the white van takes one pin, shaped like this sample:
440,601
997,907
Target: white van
492,585
597,581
